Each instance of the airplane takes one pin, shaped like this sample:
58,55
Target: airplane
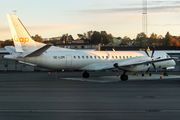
33,53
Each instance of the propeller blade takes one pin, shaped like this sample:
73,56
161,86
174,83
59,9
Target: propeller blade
153,51
154,66
147,53
148,70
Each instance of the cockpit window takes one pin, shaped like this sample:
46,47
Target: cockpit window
167,56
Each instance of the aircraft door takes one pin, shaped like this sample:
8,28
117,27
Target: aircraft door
68,60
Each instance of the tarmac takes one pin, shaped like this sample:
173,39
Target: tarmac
67,96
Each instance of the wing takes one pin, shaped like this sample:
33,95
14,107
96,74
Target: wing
143,62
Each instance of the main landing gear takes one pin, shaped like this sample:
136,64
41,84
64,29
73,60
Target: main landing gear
124,77
165,73
85,74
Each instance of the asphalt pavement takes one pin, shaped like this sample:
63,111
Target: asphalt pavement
67,96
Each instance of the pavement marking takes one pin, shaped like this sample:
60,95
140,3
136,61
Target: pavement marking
88,111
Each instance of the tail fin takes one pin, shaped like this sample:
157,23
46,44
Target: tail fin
22,39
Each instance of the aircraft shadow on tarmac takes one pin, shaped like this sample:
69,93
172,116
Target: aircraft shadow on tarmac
106,79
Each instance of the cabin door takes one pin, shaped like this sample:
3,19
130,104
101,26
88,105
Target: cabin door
68,60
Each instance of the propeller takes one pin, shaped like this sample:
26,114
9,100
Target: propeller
151,56
147,53
153,51
154,66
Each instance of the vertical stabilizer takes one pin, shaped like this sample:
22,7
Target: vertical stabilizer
14,35
22,39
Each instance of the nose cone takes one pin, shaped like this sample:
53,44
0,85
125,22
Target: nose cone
173,63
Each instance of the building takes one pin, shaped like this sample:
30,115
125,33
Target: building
79,46
78,41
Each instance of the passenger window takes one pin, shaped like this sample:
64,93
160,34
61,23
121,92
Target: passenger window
106,57
119,57
83,57
99,57
113,57
87,57
74,57
116,57
127,57
79,57
123,57
91,57
130,56
95,57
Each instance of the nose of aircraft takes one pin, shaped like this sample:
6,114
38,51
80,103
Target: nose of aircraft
173,63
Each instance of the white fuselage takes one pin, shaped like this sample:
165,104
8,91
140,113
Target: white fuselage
92,60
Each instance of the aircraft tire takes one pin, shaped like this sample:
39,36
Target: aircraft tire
165,74
85,75
124,77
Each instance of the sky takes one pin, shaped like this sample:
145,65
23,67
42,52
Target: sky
53,18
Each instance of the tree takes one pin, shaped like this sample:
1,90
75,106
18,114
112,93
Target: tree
110,36
160,37
70,37
168,40
0,44
102,37
152,39
160,40
125,39
141,37
119,38
67,38
82,36
37,38
96,37
174,42
7,43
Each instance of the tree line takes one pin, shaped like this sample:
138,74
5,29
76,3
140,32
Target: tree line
155,40
104,38
36,38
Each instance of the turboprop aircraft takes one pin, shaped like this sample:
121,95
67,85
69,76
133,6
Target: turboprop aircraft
29,52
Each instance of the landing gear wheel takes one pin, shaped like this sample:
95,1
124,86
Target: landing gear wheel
124,77
142,74
149,74
165,74
85,74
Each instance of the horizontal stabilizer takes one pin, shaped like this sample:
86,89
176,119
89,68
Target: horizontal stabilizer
39,51
10,49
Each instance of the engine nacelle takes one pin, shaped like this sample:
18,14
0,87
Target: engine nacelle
134,64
